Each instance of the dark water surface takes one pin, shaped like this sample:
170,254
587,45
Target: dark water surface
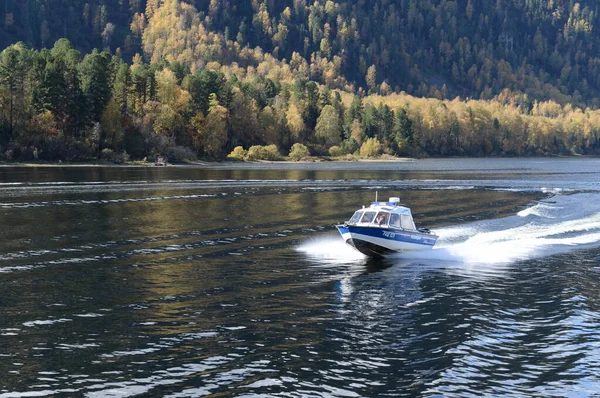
232,281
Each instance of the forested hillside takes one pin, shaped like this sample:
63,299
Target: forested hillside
88,24
547,49
256,79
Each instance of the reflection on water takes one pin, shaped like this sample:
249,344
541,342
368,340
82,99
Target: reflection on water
190,282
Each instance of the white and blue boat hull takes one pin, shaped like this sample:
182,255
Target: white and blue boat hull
377,241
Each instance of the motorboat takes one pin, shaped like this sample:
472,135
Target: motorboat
384,228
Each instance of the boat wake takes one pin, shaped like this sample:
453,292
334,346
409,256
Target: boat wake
560,224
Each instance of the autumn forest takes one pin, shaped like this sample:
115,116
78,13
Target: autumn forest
263,79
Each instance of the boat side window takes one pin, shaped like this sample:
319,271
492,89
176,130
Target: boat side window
395,220
368,217
382,218
407,223
356,217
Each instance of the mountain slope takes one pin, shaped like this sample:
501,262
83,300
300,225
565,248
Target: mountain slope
547,49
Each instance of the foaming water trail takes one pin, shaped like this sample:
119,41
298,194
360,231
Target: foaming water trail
557,225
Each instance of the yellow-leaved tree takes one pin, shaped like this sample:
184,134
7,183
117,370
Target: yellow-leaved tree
295,122
370,148
211,131
329,128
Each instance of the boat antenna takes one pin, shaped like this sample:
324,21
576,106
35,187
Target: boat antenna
375,196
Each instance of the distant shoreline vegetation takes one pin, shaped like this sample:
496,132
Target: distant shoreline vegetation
281,161
57,104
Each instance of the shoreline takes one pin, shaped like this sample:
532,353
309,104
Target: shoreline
228,163
201,163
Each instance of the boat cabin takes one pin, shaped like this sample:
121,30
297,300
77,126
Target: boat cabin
384,215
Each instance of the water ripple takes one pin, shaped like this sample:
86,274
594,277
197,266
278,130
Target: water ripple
186,284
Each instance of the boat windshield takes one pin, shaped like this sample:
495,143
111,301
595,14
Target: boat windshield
382,218
395,220
368,216
408,223
356,217
402,221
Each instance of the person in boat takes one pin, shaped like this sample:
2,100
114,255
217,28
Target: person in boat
382,218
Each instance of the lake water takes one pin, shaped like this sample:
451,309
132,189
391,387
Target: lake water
232,281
